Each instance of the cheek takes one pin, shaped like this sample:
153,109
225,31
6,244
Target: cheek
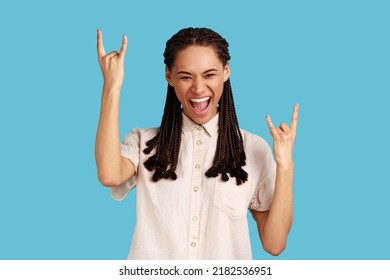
180,93
218,89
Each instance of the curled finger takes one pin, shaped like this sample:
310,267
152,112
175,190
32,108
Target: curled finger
284,127
111,55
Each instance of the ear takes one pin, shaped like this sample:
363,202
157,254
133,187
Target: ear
226,72
168,76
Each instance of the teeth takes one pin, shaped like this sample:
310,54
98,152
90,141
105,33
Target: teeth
200,99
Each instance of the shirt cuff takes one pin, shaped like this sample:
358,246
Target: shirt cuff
120,192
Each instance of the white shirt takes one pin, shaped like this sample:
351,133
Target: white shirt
196,217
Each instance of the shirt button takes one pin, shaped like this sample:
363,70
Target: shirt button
197,166
199,128
193,244
198,142
194,218
196,189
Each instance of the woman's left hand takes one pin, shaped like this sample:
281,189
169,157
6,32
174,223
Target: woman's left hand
283,138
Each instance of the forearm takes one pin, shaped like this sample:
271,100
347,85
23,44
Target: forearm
107,149
279,220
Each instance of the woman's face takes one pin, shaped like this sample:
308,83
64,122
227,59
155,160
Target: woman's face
198,77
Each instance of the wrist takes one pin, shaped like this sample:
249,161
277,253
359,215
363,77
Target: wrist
285,166
112,88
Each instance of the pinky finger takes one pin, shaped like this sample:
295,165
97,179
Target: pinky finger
100,47
122,51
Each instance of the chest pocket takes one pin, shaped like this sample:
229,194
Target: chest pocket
231,198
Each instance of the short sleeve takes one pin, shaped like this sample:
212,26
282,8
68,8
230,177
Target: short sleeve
130,149
265,173
262,198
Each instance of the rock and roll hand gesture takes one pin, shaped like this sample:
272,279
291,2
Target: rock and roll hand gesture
113,169
111,64
283,139
274,225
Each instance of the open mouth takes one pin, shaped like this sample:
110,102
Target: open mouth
200,105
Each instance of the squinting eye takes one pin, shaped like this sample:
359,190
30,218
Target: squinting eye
185,78
210,75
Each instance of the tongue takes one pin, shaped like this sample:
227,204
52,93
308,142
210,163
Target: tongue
200,106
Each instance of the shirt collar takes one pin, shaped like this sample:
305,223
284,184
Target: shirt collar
211,127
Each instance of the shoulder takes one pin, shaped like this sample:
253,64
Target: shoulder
254,141
259,156
140,134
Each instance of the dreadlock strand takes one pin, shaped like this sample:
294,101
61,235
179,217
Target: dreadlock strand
241,144
228,157
164,155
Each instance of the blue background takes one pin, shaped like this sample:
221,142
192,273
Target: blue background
330,56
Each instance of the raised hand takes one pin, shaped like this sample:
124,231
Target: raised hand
283,138
111,64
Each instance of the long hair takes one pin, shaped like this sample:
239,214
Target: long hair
230,156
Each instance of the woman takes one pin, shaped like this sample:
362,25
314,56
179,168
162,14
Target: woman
198,173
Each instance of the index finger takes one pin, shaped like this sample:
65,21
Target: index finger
269,122
294,119
100,47
271,126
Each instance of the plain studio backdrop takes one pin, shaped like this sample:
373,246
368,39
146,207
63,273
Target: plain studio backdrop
330,56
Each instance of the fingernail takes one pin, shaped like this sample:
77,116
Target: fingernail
98,31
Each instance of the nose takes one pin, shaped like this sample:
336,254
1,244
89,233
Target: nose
198,86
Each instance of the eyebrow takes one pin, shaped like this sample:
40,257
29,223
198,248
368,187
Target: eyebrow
189,73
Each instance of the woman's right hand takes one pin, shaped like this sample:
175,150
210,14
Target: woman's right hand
111,64
113,169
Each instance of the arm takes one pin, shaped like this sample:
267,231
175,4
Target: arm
274,225
113,169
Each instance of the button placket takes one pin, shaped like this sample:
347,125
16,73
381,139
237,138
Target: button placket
198,158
